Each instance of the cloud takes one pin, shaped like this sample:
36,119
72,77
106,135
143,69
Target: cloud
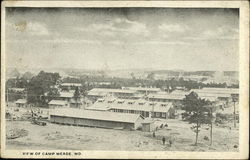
57,40
173,28
169,43
224,32
150,42
117,27
220,33
37,29
131,26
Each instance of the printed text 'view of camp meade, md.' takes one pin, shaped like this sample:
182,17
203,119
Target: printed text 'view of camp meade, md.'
122,79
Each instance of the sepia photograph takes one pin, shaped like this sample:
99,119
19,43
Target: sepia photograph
121,79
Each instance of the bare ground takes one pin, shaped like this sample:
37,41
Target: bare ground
54,136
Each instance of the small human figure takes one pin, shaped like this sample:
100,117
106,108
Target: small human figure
153,134
161,126
170,142
163,140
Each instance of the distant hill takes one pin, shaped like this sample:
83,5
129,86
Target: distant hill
118,73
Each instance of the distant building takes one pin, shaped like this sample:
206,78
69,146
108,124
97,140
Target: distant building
221,90
220,94
143,90
96,93
229,111
66,96
58,104
148,125
21,103
75,103
17,89
175,98
101,119
70,86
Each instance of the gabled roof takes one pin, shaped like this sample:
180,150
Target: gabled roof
67,94
96,115
57,102
17,89
93,93
21,101
179,92
167,96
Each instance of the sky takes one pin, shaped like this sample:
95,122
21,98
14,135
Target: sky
123,38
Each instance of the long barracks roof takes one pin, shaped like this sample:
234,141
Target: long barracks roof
172,96
143,89
137,105
166,96
96,115
108,90
202,92
218,90
71,84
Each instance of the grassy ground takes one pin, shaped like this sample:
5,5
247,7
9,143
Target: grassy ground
55,136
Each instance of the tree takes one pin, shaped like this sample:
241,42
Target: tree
151,76
77,96
132,75
27,75
209,119
195,109
16,83
39,85
21,82
53,93
77,93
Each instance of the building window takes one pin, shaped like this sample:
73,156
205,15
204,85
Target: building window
163,115
158,114
143,113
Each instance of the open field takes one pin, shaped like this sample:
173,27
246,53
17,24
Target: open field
64,137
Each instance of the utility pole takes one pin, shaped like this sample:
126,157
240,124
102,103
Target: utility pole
7,99
211,126
152,115
234,113
153,108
